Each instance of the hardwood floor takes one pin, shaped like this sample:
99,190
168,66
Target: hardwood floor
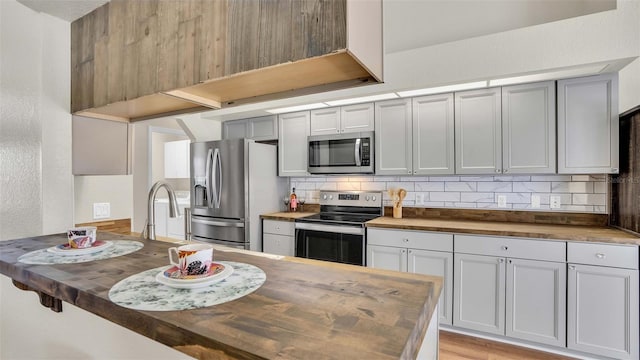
461,347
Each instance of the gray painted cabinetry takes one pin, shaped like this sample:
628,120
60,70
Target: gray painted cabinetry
603,300
509,286
394,153
416,252
433,135
588,125
344,119
293,129
278,237
260,128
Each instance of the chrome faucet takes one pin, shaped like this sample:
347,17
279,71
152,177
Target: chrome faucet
150,229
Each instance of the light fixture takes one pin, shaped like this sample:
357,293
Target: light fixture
362,99
443,89
297,108
566,73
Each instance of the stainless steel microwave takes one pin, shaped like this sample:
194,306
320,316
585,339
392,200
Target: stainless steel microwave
350,153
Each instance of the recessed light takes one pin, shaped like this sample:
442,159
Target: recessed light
443,89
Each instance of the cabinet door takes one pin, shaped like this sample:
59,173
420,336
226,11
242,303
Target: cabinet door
433,140
393,137
355,118
529,128
278,244
603,311
236,129
479,293
386,257
176,159
325,121
162,213
439,264
293,148
478,132
588,125
263,128
536,301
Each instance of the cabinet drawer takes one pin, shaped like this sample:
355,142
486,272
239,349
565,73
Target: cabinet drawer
511,247
620,256
278,227
411,239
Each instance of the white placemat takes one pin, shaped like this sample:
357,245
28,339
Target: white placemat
143,292
46,257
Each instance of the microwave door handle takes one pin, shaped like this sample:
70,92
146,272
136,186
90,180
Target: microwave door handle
357,153
208,178
218,179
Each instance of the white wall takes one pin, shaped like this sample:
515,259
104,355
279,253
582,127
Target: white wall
36,192
117,190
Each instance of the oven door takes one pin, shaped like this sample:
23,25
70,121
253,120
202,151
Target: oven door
351,153
342,244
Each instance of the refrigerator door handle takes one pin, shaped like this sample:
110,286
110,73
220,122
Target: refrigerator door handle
357,153
218,178
217,223
207,178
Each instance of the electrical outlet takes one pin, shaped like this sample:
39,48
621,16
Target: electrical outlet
419,199
101,210
535,201
502,201
554,201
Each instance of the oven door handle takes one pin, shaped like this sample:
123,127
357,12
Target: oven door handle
353,230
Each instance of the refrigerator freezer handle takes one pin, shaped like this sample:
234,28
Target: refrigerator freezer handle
218,178
208,179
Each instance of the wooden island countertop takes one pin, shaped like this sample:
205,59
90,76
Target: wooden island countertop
305,309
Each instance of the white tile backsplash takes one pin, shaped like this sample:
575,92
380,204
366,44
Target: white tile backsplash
578,193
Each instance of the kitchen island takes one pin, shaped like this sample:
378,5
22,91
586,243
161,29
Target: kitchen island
305,309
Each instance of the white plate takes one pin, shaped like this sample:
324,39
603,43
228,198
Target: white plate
63,249
193,283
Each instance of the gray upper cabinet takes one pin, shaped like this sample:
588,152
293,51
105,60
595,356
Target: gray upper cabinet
529,128
588,125
344,119
100,147
260,128
393,137
293,150
478,131
433,135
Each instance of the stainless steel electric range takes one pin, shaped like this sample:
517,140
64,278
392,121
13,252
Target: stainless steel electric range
337,233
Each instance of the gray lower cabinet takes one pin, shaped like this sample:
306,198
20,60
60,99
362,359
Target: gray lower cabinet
278,237
588,125
416,252
293,148
603,300
520,294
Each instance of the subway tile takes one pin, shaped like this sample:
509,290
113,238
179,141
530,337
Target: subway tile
534,187
404,185
460,186
466,205
305,186
476,178
386,178
348,186
360,178
580,178
551,178
495,186
328,186
600,187
444,178
476,197
577,208
444,196
511,178
373,186
598,177
491,205
581,187
515,198
600,209
434,204
429,186
588,199
317,179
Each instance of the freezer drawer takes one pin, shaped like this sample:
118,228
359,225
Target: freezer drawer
218,229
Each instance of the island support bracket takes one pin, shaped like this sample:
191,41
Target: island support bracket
46,300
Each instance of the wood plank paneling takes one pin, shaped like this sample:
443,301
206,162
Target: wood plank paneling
242,36
625,186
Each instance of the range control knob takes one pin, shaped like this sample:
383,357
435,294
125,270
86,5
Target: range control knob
366,198
330,197
324,196
373,198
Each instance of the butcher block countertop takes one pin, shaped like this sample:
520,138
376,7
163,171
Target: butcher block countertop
600,234
286,216
306,309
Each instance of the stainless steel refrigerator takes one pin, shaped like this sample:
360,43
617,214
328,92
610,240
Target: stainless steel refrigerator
233,182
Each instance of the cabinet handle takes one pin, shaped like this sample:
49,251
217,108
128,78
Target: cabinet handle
498,171
405,240
403,251
504,248
410,252
614,170
572,267
500,261
409,172
510,261
600,255
505,170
